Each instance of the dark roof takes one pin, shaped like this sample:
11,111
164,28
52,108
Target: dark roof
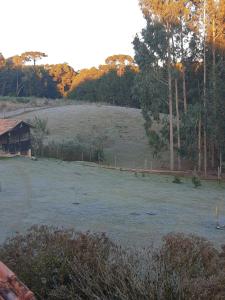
6,125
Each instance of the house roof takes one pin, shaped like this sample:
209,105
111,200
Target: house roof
6,125
11,287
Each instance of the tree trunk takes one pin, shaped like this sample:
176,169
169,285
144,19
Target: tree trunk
183,71
214,83
178,125
204,95
199,144
184,89
170,107
213,156
17,82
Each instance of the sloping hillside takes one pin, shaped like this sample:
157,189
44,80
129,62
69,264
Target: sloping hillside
120,128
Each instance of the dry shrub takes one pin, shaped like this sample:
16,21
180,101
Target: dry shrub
63,264
180,263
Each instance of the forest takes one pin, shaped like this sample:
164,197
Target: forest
111,82
181,56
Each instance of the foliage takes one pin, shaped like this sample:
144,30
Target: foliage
73,150
63,75
156,142
196,181
111,83
180,54
63,264
39,132
24,81
67,150
177,179
31,56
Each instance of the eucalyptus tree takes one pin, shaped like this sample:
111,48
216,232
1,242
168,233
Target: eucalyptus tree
167,16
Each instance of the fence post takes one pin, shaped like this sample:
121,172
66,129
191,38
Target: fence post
217,217
146,164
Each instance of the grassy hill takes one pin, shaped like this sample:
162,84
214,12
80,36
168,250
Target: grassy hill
120,128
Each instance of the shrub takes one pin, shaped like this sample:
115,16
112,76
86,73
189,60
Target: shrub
196,181
39,132
73,150
63,264
68,150
177,179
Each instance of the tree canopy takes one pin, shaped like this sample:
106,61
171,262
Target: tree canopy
181,56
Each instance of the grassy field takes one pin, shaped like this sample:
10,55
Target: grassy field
133,210
15,106
120,128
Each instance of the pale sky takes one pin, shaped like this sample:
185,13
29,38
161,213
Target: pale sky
80,32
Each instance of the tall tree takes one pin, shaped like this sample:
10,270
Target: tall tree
33,56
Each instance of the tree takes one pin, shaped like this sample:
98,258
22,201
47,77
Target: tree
2,61
32,56
64,75
193,39
120,62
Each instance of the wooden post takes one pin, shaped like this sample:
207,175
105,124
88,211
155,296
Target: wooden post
217,217
146,164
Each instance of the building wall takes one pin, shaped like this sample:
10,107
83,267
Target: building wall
17,140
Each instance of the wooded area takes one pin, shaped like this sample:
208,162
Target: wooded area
181,56
111,82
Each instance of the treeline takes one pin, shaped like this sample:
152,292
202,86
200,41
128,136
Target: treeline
110,83
181,56
22,80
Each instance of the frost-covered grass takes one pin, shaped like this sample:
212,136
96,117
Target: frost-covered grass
133,209
121,130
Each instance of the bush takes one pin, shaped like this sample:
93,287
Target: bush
68,150
177,180
196,181
73,150
62,264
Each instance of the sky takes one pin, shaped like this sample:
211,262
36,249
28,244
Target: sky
81,33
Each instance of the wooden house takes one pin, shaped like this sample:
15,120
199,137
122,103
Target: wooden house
15,137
